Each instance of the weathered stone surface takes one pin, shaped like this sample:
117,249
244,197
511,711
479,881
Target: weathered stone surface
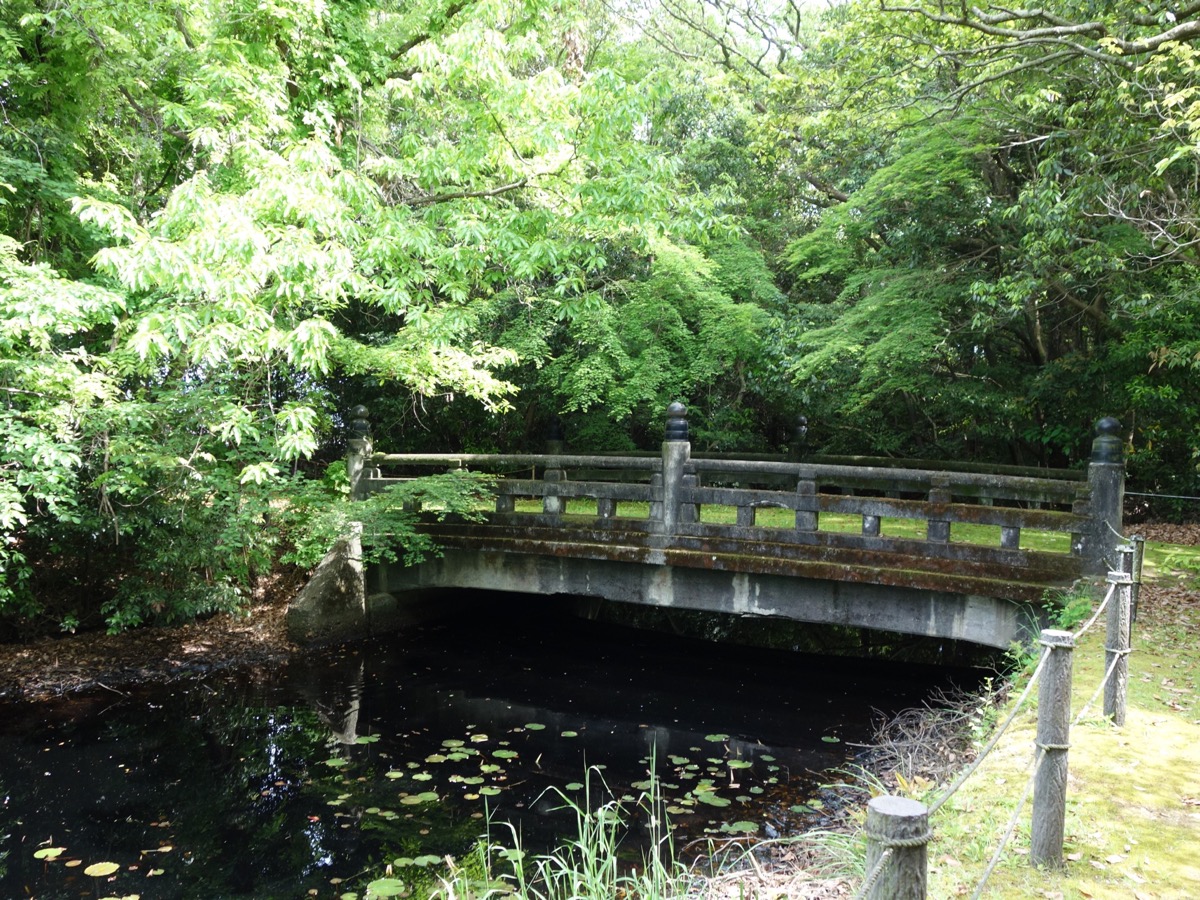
987,621
332,607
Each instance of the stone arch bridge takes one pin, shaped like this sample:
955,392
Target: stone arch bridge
944,551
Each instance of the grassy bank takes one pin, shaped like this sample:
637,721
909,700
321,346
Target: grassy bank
1133,794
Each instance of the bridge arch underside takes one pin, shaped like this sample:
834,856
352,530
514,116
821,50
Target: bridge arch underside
981,620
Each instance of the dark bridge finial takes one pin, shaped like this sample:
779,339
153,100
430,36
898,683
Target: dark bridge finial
360,425
799,442
677,425
1107,447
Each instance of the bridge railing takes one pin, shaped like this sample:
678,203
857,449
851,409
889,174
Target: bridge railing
670,491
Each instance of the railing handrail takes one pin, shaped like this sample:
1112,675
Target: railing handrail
547,460
879,462
1003,487
1014,487
677,485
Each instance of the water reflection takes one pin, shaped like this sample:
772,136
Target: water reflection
314,776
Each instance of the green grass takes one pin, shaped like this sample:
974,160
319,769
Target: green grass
590,865
1133,798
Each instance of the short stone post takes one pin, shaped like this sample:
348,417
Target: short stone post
676,451
1053,736
937,530
898,827
807,506
1118,641
1106,484
554,474
358,448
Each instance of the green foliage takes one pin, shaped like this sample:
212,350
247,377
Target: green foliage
218,219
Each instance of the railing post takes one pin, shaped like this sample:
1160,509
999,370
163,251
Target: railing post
358,448
807,512
898,827
1106,484
1010,537
676,450
1053,735
555,440
1118,642
938,530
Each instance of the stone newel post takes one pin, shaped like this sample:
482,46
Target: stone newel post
676,451
552,504
358,448
1106,483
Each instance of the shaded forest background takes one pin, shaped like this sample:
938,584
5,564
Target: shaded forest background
934,233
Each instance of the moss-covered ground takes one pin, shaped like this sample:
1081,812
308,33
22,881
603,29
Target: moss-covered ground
1133,794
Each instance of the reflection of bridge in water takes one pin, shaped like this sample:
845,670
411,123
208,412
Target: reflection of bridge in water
940,552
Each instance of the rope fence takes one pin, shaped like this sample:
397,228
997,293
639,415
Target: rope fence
896,848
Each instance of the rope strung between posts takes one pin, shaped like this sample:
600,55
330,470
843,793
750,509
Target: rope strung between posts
1112,589
876,871
889,844
970,770
1117,656
1039,755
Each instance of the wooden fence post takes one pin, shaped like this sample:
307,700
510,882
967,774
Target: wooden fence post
898,827
1118,642
676,450
1053,735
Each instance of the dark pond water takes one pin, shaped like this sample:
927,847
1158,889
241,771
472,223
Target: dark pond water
307,779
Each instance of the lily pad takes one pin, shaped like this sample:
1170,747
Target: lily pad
716,738
336,763
534,726
101,869
712,799
739,764
505,754
385,887
366,739
424,797
831,739
575,786
740,827
570,734
49,852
